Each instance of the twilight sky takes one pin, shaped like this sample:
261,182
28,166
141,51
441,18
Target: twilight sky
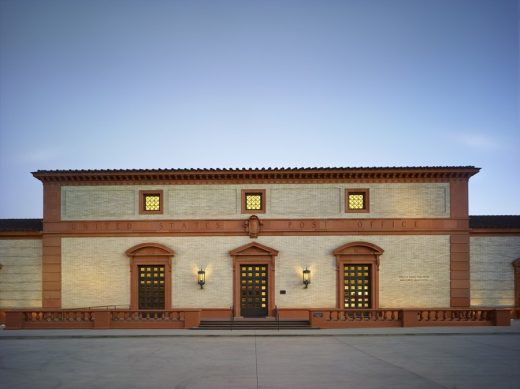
108,84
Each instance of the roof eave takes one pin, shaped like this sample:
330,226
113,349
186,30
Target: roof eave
259,175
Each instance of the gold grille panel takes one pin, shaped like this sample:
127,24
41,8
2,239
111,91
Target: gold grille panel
152,202
254,202
358,288
151,286
253,290
356,201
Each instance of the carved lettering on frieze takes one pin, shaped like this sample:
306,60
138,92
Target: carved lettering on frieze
252,226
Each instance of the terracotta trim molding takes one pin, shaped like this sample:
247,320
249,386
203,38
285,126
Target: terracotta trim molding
263,201
270,227
460,292
51,272
494,231
362,253
143,194
254,254
366,200
150,254
459,199
51,202
220,176
5,235
516,267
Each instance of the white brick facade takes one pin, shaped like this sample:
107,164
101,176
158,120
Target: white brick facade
393,200
491,271
21,274
414,270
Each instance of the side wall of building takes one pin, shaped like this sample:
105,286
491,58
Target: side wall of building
491,271
414,270
21,273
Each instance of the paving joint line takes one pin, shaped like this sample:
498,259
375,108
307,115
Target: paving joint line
393,364
256,364
235,335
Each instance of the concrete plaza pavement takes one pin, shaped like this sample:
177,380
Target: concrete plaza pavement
477,357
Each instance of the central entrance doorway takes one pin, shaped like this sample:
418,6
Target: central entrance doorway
253,281
254,297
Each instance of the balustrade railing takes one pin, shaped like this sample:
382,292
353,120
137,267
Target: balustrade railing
146,315
458,315
344,318
319,318
102,319
58,316
364,315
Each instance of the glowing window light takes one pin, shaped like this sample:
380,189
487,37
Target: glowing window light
356,201
152,202
254,202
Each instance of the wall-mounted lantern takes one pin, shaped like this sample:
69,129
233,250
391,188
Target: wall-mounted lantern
201,277
306,277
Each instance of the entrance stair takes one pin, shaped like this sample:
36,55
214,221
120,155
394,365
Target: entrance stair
254,324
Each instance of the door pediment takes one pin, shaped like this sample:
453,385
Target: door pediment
149,250
359,248
253,249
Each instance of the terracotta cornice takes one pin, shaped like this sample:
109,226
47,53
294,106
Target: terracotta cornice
283,175
494,231
21,235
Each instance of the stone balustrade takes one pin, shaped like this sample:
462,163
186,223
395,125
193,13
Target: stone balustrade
101,319
318,318
449,317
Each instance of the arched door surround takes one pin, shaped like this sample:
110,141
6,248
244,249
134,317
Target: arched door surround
145,256
357,266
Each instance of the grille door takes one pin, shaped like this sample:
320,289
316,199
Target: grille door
358,288
253,290
151,286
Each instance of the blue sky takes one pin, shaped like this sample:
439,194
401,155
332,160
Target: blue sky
174,84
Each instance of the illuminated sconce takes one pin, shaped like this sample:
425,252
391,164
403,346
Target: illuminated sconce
201,277
306,277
